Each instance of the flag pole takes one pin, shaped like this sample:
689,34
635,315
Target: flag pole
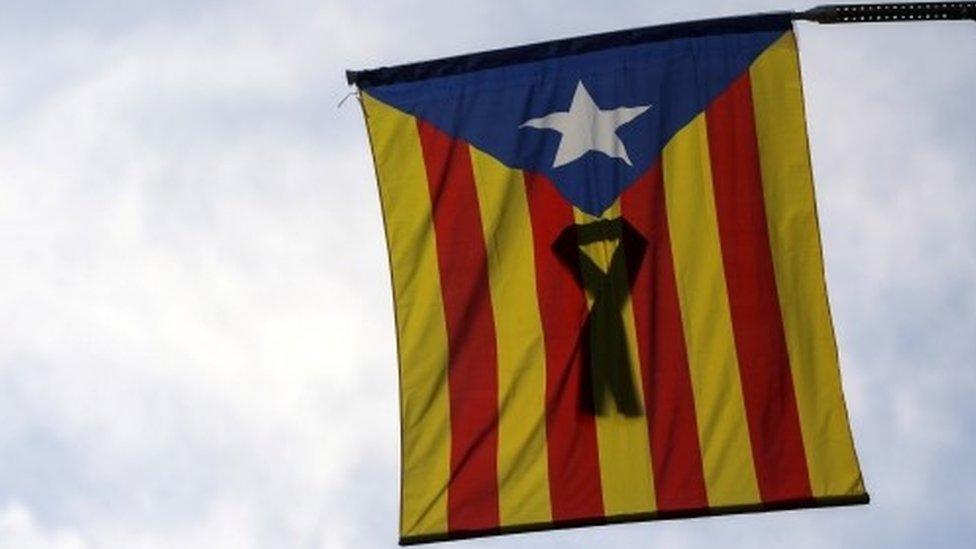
884,13
826,14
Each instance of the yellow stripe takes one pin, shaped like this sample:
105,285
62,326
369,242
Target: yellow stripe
797,260
625,453
421,328
730,478
523,471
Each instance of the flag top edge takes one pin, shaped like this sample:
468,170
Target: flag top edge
411,72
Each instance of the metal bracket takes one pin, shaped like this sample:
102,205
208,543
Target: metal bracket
882,13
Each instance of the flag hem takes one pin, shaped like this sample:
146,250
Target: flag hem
460,64
393,296
823,263
789,505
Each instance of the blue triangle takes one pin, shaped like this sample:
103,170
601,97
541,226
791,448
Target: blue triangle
679,77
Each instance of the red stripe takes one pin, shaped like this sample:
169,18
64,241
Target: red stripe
679,480
767,385
574,467
472,497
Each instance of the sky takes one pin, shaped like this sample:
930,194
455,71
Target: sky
196,328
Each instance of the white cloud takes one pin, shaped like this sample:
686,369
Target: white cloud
184,316
19,530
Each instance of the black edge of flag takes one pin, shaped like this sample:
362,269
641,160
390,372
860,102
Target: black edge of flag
460,64
827,501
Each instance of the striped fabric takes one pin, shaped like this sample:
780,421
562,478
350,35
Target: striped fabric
715,389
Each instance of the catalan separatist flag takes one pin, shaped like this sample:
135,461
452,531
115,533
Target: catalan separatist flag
609,291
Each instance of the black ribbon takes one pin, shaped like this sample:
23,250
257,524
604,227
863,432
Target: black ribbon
606,355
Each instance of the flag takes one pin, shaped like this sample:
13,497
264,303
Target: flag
609,292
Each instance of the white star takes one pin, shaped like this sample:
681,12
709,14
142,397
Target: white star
587,128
